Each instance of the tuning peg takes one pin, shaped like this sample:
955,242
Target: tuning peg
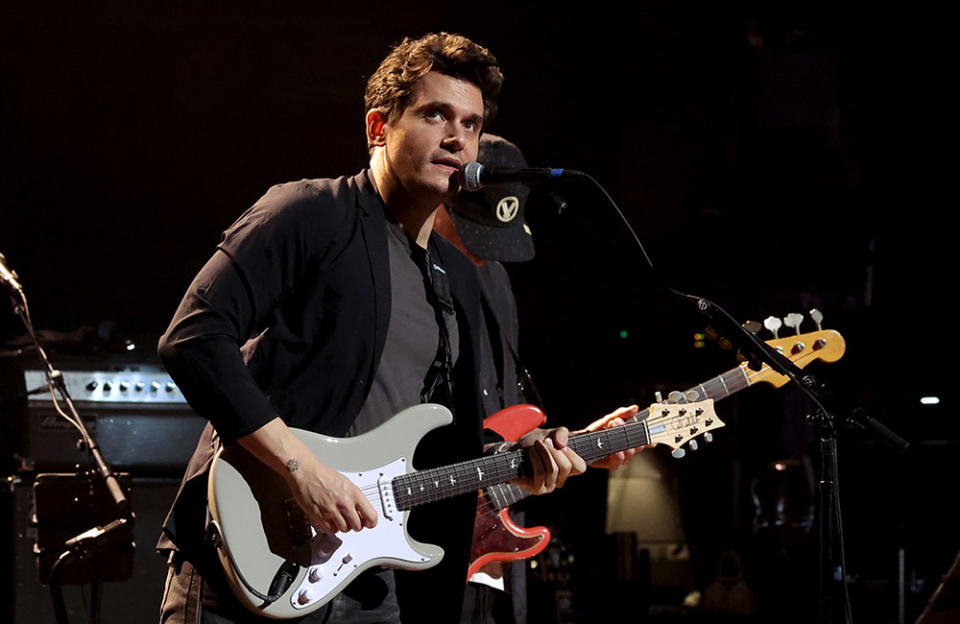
676,397
817,317
793,320
693,445
658,396
773,324
708,437
753,327
678,453
691,396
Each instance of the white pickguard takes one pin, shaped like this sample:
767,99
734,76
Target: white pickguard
385,544
247,505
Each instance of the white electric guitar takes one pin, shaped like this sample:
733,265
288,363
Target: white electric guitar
279,566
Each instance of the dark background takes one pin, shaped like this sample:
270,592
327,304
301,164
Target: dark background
773,159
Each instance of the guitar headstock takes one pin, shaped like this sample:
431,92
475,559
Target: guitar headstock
676,424
801,349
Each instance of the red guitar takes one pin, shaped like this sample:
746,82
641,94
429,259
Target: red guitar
495,535
497,538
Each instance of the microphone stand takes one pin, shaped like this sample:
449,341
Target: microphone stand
829,518
88,540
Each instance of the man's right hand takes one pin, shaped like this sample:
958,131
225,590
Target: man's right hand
331,501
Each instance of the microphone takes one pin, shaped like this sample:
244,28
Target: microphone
7,276
473,176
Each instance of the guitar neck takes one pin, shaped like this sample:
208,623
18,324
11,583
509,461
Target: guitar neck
630,435
433,484
426,486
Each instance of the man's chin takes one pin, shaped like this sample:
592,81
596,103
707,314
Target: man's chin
441,189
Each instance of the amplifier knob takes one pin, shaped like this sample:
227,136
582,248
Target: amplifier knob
171,386
124,386
107,386
154,386
139,386
93,385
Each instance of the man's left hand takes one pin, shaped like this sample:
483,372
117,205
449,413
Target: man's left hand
553,461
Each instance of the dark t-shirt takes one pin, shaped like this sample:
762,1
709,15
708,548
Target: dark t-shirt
412,338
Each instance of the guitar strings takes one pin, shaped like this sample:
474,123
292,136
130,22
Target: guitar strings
491,508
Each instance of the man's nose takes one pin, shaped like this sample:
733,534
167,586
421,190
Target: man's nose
456,138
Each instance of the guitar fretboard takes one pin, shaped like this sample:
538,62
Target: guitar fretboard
720,387
426,486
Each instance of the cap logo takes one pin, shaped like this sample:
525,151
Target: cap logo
507,208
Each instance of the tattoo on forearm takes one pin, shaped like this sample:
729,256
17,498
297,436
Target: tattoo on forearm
293,465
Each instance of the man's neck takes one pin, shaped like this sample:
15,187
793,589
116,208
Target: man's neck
414,215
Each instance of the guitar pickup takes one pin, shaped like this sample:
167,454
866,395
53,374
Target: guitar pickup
389,505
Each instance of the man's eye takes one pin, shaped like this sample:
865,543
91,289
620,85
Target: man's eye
434,114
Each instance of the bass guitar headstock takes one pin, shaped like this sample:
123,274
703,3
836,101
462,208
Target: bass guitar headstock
801,349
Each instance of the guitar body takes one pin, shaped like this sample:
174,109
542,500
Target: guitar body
497,538
261,531
512,423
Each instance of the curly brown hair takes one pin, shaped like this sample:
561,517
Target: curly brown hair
391,86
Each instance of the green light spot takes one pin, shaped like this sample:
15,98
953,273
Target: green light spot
623,333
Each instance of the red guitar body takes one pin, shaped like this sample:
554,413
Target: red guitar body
495,536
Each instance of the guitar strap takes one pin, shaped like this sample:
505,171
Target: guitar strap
438,384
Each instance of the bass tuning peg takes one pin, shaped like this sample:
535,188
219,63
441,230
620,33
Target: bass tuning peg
773,324
793,321
817,317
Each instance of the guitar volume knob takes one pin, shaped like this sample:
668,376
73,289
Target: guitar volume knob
315,575
305,597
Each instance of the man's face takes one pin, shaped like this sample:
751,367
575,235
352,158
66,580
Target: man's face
438,131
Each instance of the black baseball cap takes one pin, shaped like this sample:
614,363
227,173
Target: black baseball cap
490,221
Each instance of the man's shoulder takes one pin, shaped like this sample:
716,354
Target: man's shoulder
313,193
308,212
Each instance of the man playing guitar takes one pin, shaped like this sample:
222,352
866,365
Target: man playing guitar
328,306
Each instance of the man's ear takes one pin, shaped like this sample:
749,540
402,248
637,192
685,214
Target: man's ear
375,128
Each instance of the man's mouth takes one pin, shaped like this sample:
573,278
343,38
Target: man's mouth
450,164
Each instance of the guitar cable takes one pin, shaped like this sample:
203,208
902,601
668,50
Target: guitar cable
282,579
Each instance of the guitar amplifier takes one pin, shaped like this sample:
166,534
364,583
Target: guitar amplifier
134,411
